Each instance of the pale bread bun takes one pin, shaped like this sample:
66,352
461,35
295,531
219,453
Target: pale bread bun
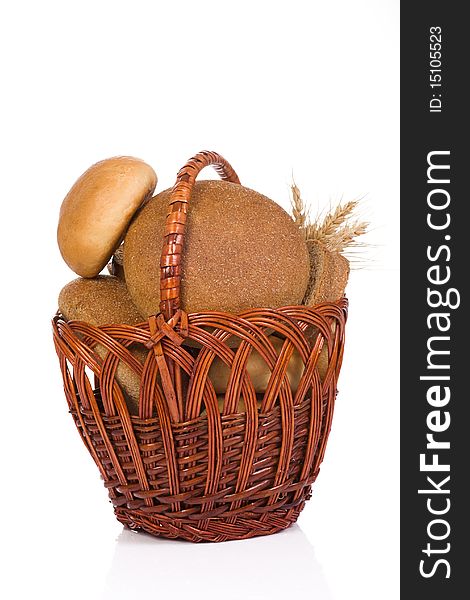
104,301
97,210
241,250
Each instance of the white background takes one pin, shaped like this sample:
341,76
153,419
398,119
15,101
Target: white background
308,87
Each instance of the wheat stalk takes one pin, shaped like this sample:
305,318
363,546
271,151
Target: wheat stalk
337,231
299,211
334,220
345,237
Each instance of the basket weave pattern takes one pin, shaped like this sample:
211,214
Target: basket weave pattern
183,468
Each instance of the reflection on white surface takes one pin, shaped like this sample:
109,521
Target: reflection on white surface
276,566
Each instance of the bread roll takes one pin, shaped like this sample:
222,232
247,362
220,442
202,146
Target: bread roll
241,251
258,370
103,301
128,380
322,362
97,210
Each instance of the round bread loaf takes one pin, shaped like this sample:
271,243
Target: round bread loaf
103,301
97,210
100,301
241,250
258,370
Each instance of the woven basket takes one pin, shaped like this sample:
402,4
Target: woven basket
183,468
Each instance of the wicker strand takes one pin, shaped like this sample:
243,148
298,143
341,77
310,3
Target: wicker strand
173,241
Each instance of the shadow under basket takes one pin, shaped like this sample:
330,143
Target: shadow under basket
189,465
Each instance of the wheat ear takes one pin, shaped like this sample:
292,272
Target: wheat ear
337,231
299,211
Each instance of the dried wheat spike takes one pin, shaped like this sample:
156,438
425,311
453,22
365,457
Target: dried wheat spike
337,231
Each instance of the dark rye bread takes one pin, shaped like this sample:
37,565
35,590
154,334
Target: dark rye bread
329,274
105,300
241,250
115,265
102,300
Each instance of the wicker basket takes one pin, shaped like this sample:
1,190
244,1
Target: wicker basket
182,468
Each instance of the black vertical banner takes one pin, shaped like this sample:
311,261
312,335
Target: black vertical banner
435,332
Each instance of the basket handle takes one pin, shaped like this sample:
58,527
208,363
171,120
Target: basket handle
173,241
